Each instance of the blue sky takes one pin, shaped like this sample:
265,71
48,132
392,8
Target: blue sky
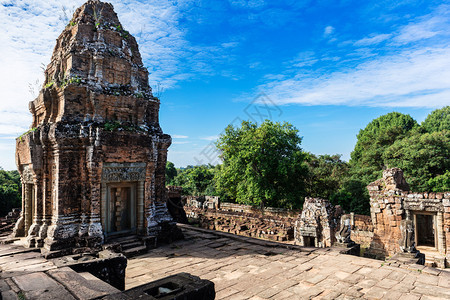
328,67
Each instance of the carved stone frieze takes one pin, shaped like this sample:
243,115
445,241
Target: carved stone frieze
123,172
27,175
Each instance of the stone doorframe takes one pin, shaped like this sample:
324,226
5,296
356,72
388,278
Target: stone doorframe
116,173
439,240
416,235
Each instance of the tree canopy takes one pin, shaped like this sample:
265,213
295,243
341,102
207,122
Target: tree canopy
196,180
437,120
326,174
10,191
171,173
367,158
262,165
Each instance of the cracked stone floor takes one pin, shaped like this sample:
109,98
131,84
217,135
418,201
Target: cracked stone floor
246,268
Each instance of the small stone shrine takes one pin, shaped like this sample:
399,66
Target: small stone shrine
93,163
316,226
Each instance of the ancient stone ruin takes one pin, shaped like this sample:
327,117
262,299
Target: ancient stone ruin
93,163
404,221
318,223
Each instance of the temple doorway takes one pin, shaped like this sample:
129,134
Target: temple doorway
309,241
120,208
425,230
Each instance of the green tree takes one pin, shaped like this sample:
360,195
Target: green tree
421,157
367,158
352,197
326,175
196,180
262,165
171,172
437,120
440,183
10,191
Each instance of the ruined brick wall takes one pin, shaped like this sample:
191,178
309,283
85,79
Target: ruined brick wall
254,224
362,229
391,202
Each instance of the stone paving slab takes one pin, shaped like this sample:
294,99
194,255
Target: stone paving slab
245,268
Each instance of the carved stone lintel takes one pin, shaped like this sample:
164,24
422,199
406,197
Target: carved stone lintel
123,172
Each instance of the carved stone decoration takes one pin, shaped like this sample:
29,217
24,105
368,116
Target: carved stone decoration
407,243
116,173
316,225
27,175
343,235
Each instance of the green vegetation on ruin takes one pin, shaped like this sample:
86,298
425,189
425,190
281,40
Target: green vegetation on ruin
26,132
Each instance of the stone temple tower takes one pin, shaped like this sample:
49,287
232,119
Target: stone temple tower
93,162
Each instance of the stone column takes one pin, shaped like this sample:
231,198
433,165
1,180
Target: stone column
140,206
440,233
46,193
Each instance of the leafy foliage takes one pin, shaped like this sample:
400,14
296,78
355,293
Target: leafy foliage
262,165
421,157
196,180
171,172
352,197
326,175
437,120
10,191
367,158
329,178
440,183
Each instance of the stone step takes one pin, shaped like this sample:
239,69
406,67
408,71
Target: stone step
98,283
82,286
134,251
122,238
131,244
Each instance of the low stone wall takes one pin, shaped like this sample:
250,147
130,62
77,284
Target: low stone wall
253,224
362,229
268,211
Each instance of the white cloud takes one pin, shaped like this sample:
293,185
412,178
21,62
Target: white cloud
413,75
413,78
178,136
372,40
180,142
329,30
248,3
425,29
304,59
210,138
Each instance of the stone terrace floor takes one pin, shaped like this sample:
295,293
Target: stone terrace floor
246,268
